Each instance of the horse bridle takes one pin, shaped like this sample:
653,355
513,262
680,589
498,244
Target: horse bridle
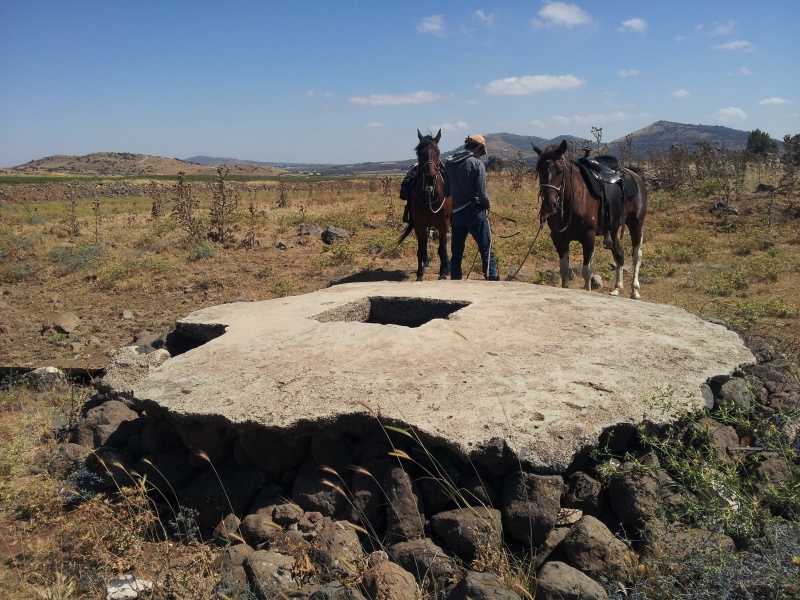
559,203
430,188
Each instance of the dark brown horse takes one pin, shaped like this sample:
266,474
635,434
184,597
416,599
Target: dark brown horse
572,214
428,208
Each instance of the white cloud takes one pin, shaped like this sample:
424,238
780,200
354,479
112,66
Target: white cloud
597,119
420,97
725,28
681,93
374,124
774,101
736,45
481,16
628,73
453,127
532,84
726,115
744,71
636,25
561,14
433,24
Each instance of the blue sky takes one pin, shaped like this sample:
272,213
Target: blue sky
352,81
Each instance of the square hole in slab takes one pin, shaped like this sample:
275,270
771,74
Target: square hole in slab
387,310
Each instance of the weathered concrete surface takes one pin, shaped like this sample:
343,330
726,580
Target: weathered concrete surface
545,369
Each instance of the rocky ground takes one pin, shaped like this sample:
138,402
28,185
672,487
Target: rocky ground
730,480
373,513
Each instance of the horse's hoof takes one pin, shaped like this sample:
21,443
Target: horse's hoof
614,292
636,296
442,276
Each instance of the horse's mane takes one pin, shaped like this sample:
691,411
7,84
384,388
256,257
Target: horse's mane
549,152
424,143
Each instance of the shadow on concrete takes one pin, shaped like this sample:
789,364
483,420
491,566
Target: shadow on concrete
372,275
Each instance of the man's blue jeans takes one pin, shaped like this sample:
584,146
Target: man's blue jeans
467,221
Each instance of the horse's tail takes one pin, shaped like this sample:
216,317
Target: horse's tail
409,229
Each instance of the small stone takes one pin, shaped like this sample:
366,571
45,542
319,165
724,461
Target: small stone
127,586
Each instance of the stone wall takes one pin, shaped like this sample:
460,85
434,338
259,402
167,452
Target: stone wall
379,511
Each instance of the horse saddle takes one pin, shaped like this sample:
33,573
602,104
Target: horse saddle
411,177
612,184
408,182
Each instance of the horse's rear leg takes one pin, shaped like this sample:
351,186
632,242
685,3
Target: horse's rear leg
422,260
588,263
428,236
619,260
637,261
636,256
444,259
422,252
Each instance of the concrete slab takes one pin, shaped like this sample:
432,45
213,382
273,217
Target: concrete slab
545,369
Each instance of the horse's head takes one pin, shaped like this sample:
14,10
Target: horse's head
428,158
551,170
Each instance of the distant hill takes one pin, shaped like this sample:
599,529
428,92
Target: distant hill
656,137
659,136
126,164
508,145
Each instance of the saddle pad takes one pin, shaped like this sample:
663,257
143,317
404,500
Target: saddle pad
595,187
630,186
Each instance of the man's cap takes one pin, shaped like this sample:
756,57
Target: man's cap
478,139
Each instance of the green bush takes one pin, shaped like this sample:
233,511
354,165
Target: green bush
708,187
70,259
340,253
727,284
203,251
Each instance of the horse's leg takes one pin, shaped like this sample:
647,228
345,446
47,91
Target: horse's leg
422,250
444,260
562,247
427,239
619,258
635,228
588,262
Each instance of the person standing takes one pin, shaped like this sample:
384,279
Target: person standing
465,182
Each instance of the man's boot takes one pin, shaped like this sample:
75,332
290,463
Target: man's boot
406,215
608,243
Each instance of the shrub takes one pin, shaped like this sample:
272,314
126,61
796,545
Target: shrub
69,259
340,253
727,284
202,251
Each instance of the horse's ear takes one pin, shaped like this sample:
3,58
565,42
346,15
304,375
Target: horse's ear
536,149
563,147
438,136
419,135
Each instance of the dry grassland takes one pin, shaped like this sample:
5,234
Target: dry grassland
743,268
